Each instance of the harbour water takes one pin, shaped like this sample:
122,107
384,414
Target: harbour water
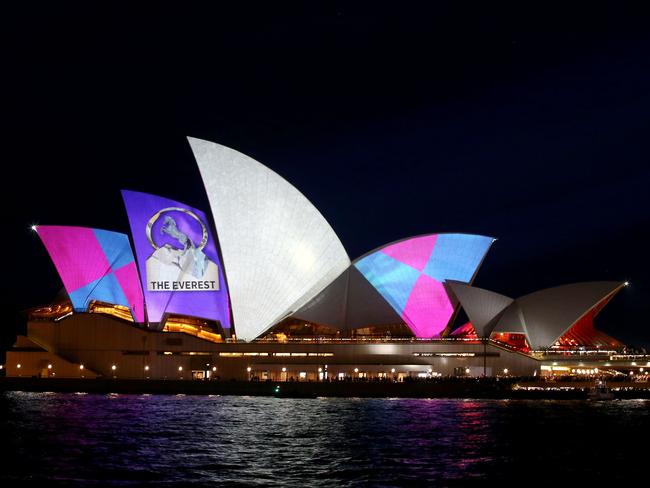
58,439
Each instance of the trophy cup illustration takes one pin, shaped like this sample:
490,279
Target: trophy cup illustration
182,268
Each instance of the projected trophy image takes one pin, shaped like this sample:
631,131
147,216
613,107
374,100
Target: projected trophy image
179,265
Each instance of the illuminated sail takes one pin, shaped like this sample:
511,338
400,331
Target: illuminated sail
278,249
410,274
94,264
179,265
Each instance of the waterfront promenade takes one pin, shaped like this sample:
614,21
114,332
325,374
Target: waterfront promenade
501,388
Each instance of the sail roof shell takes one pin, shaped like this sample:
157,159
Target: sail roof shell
411,273
349,302
278,250
483,307
146,213
94,265
549,313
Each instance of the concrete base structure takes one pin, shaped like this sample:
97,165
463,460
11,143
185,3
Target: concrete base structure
109,347
96,345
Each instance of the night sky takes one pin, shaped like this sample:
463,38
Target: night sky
526,122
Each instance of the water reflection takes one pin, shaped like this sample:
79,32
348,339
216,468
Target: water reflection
148,439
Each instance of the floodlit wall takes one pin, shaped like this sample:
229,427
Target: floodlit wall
543,316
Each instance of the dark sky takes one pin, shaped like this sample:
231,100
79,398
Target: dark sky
527,122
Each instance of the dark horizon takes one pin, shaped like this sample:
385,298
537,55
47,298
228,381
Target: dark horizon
528,124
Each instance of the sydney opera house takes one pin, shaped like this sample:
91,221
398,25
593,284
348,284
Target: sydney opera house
270,293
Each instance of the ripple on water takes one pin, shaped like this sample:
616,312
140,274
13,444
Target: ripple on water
126,440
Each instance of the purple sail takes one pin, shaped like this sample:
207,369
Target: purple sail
177,258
